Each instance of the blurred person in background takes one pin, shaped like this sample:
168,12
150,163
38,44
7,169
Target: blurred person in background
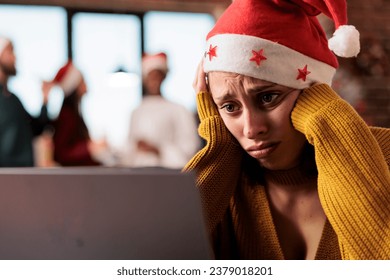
17,127
72,143
162,133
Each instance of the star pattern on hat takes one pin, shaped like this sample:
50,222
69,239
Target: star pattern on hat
212,52
258,57
303,73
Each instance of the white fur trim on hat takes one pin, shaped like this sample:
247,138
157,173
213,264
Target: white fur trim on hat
280,65
71,80
4,42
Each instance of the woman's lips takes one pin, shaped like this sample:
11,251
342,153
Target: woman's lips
262,151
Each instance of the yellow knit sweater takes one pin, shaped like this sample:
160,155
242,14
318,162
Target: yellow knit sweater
353,183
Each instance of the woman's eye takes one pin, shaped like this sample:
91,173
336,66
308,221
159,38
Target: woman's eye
268,98
229,108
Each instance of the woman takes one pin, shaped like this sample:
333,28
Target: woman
72,143
290,171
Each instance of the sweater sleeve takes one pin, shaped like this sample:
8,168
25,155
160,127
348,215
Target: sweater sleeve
217,165
353,176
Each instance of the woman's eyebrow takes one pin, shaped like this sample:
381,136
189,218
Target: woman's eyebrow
257,89
224,96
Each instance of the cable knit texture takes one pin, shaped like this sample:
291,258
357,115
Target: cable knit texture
353,183
354,178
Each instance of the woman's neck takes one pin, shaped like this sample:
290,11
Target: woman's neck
297,178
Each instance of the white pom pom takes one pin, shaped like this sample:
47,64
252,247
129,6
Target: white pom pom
345,41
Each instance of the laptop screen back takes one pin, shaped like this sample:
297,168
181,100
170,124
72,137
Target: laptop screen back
100,213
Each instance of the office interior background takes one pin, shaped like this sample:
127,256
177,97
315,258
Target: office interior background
106,39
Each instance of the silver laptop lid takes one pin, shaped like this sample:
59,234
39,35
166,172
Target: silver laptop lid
100,213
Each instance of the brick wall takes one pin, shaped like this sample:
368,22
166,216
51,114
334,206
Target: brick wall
369,73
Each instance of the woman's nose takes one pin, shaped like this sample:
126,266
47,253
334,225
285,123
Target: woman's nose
254,124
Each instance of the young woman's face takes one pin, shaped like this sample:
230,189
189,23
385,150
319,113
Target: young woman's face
257,113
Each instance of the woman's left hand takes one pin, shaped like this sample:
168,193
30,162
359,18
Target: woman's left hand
199,83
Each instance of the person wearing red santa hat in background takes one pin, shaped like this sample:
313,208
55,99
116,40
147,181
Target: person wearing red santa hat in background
162,133
17,127
290,170
71,140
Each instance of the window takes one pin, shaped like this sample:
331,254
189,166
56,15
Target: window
105,42
183,37
102,45
40,48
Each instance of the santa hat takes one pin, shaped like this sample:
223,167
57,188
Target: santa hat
68,78
4,42
156,61
280,41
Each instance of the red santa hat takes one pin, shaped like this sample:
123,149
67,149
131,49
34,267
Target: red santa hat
4,42
68,78
156,61
280,41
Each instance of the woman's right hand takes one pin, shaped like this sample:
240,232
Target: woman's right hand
199,83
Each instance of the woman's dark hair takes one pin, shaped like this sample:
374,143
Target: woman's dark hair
72,101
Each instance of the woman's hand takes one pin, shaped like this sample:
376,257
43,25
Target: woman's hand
146,147
46,88
199,83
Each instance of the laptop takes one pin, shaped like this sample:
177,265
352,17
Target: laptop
100,213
